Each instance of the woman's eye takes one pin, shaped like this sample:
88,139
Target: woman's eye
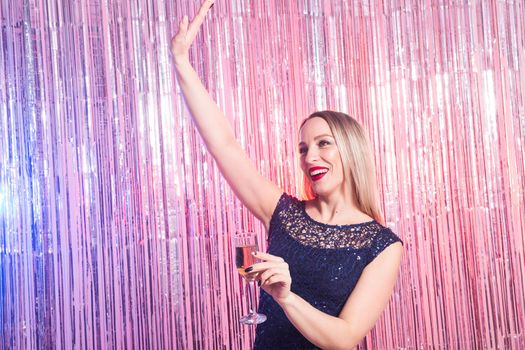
302,150
323,143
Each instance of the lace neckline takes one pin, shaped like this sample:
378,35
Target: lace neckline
309,218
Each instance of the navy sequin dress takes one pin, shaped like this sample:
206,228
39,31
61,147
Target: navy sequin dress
325,264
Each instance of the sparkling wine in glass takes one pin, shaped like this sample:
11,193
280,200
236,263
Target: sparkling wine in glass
245,244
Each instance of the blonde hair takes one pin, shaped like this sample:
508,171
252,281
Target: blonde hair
357,158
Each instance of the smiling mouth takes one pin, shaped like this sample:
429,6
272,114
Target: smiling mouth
317,173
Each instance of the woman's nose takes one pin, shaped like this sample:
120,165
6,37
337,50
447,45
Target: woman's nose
311,155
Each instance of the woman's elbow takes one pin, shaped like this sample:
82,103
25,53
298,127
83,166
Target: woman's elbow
348,340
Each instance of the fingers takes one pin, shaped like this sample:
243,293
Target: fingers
268,257
181,42
183,26
269,272
181,34
258,267
183,29
195,24
275,275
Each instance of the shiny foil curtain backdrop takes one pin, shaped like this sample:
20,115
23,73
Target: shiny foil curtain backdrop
115,224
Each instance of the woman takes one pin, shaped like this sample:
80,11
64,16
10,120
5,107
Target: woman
344,263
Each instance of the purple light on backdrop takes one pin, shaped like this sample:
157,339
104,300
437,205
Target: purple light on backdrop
115,224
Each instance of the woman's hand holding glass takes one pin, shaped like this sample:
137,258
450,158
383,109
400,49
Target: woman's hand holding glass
273,275
245,246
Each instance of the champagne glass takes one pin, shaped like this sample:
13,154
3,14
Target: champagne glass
245,244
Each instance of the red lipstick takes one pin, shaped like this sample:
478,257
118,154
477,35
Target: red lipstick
317,172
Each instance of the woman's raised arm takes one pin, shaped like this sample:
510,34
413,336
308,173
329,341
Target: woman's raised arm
257,193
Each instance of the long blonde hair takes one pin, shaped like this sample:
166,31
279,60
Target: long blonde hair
358,164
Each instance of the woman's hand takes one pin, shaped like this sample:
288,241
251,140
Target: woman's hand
273,274
181,42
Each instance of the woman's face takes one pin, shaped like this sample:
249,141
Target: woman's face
320,158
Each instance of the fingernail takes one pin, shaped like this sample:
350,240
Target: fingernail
254,253
248,269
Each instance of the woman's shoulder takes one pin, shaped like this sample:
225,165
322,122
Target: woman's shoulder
386,231
287,201
384,237
286,211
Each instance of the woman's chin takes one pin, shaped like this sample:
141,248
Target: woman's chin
322,191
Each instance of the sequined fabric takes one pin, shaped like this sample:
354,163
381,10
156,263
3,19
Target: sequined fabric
325,263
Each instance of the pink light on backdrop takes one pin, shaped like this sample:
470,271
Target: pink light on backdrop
115,224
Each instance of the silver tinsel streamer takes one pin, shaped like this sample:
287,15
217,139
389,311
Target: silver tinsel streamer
115,225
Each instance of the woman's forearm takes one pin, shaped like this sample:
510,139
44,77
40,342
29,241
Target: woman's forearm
211,123
323,330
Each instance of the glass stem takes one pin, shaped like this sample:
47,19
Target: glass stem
251,297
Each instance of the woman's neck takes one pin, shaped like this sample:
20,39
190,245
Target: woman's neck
336,209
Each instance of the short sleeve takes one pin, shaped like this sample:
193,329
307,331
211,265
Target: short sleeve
383,239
